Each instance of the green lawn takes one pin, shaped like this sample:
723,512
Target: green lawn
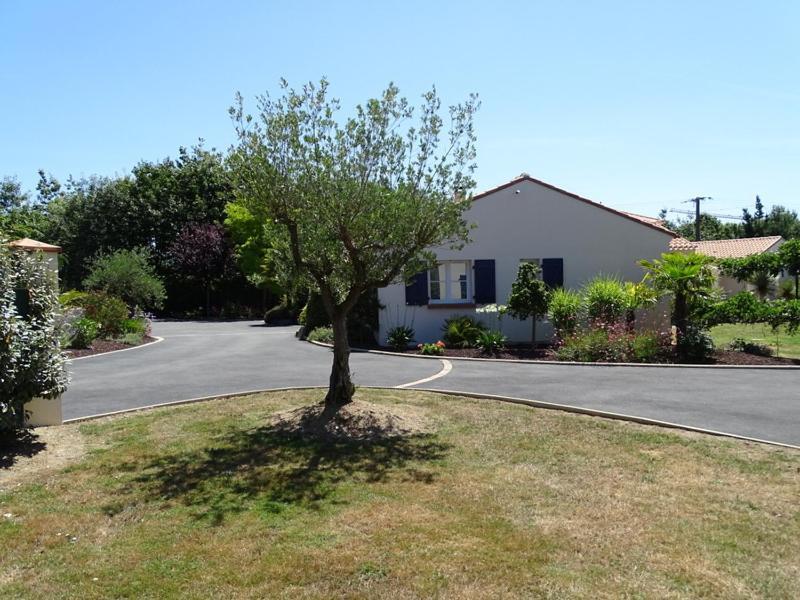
784,344
487,500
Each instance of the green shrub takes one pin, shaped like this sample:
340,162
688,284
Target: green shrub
314,314
491,341
462,331
71,297
398,338
786,290
431,348
606,299
31,361
86,331
564,311
648,347
280,314
131,339
321,334
134,326
749,347
614,344
109,311
128,275
695,346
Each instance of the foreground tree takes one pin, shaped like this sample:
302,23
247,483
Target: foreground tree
359,201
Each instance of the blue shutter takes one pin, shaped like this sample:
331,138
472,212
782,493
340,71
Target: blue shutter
417,290
484,282
553,272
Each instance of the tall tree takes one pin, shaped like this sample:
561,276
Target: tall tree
201,253
359,200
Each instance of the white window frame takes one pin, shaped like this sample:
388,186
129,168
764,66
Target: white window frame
537,262
446,285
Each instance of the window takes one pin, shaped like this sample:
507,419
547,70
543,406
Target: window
449,282
535,261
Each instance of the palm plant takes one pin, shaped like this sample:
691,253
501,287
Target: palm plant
689,278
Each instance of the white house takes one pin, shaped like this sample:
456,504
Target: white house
572,238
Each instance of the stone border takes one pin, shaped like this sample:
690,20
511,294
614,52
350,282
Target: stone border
510,399
567,363
156,340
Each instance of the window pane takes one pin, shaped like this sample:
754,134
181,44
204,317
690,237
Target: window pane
458,280
434,280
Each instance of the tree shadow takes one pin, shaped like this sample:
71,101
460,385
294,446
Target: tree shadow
280,466
14,444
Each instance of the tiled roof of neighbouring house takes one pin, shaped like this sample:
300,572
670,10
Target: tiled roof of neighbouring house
29,244
727,248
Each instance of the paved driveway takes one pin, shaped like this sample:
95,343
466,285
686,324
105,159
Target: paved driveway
202,359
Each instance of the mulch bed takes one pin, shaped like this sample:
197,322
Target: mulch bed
103,346
721,357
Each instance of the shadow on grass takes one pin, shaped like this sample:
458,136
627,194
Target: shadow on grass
23,442
279,467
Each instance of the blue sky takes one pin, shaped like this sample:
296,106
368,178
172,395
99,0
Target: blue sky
639,105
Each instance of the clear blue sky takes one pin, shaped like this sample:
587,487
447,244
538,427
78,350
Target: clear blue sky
639,105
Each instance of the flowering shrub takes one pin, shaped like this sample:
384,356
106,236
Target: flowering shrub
614,343
109,311
432,349
31,361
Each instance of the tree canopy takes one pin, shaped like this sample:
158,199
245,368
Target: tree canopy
360,200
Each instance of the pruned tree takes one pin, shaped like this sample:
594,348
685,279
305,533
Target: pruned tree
529,296
359,200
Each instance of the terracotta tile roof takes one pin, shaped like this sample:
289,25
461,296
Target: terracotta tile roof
648,221
727,248
29,244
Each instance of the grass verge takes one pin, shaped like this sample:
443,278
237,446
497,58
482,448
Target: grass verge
478,499
782,343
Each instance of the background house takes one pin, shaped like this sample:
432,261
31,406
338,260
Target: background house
735,248
572,238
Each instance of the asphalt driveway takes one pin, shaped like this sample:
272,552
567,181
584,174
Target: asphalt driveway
202,359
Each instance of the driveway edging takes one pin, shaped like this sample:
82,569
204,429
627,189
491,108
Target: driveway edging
566,362
478,396
156,340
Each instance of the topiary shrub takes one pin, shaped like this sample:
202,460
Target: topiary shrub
31,361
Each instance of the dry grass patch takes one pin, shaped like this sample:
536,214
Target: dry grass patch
407,494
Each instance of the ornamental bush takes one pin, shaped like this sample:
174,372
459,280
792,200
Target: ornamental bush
398,338
31,361
564,311
109,311
606,299
462,331
128,275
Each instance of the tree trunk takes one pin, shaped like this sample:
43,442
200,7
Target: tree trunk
341,388
681,314
533,332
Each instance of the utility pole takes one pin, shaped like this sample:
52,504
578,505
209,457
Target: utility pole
697,200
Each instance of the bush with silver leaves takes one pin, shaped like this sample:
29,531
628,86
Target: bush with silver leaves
31,361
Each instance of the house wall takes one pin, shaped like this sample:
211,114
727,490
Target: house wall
529,220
